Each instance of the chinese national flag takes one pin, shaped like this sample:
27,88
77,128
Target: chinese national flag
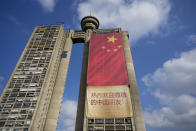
107,65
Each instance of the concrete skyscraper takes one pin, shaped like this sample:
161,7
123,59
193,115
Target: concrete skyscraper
108,96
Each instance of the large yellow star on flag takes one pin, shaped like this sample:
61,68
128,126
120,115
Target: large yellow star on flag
111,39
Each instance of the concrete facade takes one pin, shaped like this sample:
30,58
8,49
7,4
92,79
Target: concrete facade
57,94
25,100
82,120
138,121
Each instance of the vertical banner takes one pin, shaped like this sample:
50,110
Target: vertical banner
108,102
107,65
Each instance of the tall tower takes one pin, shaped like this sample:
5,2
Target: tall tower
108,95
26,101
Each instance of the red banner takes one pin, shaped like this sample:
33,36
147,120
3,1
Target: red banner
107,61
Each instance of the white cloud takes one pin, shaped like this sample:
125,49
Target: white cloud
174,86
48,5
68,115
191,39
175,75
139,17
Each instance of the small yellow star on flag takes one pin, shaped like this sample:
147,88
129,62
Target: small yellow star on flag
119,46
103,47
108,50
111,39
115,50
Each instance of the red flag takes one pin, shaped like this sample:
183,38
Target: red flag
107,61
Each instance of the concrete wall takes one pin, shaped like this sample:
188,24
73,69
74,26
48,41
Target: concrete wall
138,121
57,95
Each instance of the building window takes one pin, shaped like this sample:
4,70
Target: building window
30,94
17,129
99,120
33,105
8,105
119,127
9,124
90,120
119,120
129,128
90,128
109,121
29,117
23,111
6,95
19,123
25,129
64,54
14,111
2,123
1,106
3,117
3,100
17,105
11,99
26,105
128,120
21,94
6,111
109,128
22,117
99,128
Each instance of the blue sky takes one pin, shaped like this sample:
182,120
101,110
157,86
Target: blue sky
163,42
